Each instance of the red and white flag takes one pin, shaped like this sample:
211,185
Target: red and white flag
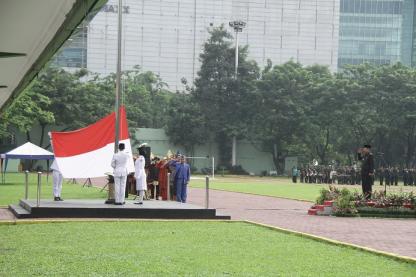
87,152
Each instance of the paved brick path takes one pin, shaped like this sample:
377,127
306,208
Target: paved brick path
396,236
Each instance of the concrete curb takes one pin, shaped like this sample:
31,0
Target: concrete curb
338,243
77,220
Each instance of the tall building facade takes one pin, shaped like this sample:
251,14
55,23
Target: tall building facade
167,36
377,31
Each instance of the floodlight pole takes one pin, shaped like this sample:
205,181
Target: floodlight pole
238,26
118,75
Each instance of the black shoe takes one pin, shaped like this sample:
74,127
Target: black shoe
56,199
60,199
139,203
117,203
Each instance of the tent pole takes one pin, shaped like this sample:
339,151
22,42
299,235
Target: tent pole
39,188
26,184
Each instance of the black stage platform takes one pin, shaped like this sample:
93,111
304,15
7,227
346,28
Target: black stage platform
95,208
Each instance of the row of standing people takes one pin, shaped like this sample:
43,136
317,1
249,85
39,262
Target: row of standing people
392,175
154,177
351,175
327,175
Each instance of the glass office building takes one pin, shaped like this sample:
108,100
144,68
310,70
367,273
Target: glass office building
74,53
167,36
376,31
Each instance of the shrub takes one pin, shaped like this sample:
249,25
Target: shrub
344,204
238,170
327,194
395,199
323,196
410,198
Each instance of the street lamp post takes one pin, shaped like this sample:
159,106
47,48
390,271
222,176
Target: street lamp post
238,26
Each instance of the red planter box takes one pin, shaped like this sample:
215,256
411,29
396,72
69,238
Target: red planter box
408,205
371,203
329,203
312,212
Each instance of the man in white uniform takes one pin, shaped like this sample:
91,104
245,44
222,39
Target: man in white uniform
57,181
140,176
119,163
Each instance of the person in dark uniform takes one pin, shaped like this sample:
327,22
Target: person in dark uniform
387,176
381,175
367,169
396,176
412,177
302,175
405,176
408,176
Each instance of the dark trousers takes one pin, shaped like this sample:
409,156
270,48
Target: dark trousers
181,193
367,183
294,179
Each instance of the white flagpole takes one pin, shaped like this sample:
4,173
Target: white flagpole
118,75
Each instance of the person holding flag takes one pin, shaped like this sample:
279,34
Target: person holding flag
119,163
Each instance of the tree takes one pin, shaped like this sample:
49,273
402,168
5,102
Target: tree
29,109
226,102
280,118
322,103
186,124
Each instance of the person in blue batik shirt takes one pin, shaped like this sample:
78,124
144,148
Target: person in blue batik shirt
182,176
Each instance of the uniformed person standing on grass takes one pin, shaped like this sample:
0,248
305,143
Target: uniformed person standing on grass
396,176
405,177
381,175
367,170
119,163
57,181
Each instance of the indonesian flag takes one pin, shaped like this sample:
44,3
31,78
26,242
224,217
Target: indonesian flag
87,152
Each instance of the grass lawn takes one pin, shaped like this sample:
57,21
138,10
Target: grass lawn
144,248
14,189
279,187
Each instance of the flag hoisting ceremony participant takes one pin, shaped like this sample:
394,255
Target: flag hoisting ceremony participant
119,163
182,176
367,169
140,175
57,181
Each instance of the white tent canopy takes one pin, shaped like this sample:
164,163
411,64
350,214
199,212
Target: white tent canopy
29,151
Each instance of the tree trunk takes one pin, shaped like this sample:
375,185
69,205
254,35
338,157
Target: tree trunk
234,151
224,150
28,136
42,134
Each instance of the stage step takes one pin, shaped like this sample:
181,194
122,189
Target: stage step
95,208
19,211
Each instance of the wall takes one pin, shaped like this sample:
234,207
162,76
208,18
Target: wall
250,158
167,36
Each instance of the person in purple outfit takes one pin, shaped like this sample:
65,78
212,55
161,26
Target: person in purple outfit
182,176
